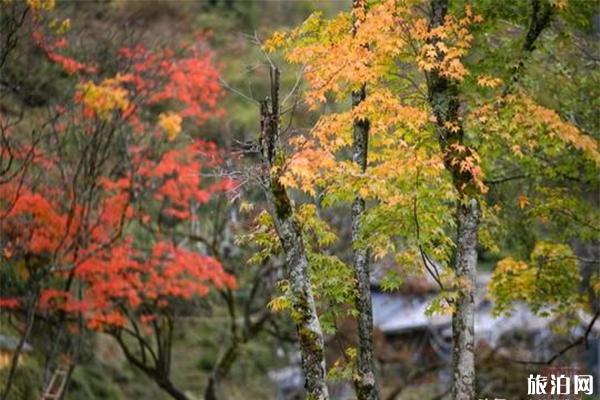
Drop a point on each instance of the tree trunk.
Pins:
(221, 370)
(14, 362)
(463, 329)
(364, 378)
(226, 361)
(444, 101)
(157, 369)
(305, 314)
(304, 310)
(168, 387)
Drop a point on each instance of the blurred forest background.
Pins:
(231, 341)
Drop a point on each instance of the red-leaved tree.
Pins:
(97, 199)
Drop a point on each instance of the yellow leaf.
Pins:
(279, 304)
(523, 201)
(170, 122)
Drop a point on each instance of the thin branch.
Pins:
(579, 341)
(296, 85)
(231, 89)
(432, 270)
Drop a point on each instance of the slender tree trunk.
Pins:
(157, 368)
(444, 101)
(14, 362)
(168, 387)
(290, 235)
(463, 318)
(364, 378)
(221, 370)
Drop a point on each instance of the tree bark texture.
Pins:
(463, 317)
(364, 378)
(445, 103)
(304, 312)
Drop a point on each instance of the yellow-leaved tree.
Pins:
(440, 117)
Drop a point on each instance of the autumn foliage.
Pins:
(438, 141)
(96, 194)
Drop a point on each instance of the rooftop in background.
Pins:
(403, 311)
(10, 343)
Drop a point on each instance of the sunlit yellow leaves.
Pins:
(342, 53)
(334, 131)
(490, 227)
(276, 41)
(420, 28)
(452, 127)
(41, 4)
(488, 81)
(319, 44)
(409, 184)
(262, 236)
(307, 167)
(60, 26)
(510, 277)
(105, 98)
(279, 304)
(547, 283)
(559, 4)
(320, 233)
(524, 128)
(443, 47)
(359, 12)
(563, 130)
(246, 206)
(523, 201)
(564, 208)
(385, 110)
(170, 122)
(467, 161)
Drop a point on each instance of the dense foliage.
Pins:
(184, 205)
